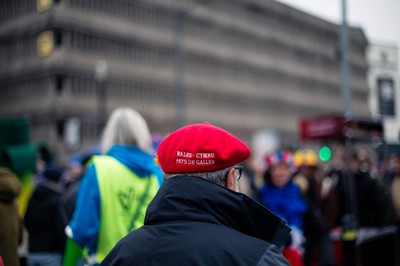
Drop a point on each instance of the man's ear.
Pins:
(231, 182)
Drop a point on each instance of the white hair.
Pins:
(127, 127)
(217, 177)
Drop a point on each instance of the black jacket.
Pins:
(192, 221)
(45, 219)
(370, 203)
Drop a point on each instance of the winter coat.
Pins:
(192, 221)
(370, 200)
(85, 224)
(45, 219)
(286, 202)
(395, 194)
(10, 222)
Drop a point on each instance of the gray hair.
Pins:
(127, 127)
(217, 177)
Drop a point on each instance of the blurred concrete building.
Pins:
(383, 80)
(242, 65)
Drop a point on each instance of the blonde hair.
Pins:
(127, 127)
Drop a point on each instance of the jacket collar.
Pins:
(196, 199)
(135, 159)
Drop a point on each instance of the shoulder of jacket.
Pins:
(272, 257)
(101, 158)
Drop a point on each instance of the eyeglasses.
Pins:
(238, 171)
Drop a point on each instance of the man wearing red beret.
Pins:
(198, 216)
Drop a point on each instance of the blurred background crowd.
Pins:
(330, 196)
(317, 101)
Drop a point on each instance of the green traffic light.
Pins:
(325, 153)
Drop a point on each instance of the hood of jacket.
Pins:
(46, 190)
(10, 186)
(196, 199)
(136, 160)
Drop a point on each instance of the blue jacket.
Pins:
(86, 219)
(286, 202)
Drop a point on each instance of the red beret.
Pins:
(200, 148)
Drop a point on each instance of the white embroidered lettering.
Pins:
(181, 161)
(205, 162)
(205, 155)
(184, 154)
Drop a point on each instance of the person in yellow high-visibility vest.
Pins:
(117, 186)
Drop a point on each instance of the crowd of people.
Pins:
(198, 201)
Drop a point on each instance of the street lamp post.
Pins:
(349, 219)
(345, 69)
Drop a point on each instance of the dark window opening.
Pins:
(60, 128)
(59, 84)
(58, 38)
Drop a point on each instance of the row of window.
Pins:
(25, 89)
(161, 17)
(231, 36)
(82, 88)
(139, 53)
(140, 93)
(266, 24)
(261, 17)
(118, 51)
(200, 29)
(126, 10)
(144, 96)
(250, 105)
(18, 49)
(10, 9)
(27, 47)
(89, 131)
(257, 26)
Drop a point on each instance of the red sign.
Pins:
(329, 127)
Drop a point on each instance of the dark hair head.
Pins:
(395, 155)
(267, 176)
(53, 173)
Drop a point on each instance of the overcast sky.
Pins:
(380, 19)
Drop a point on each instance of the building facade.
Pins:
(241, 65)
(383, 80)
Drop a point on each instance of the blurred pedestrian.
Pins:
(117, 187)
(395, 184)
(360, 195)
(45, 220)
(76, 172)
(10, 221)
(319, 195)
(395, 189)
(283, 197)
(198, 217)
